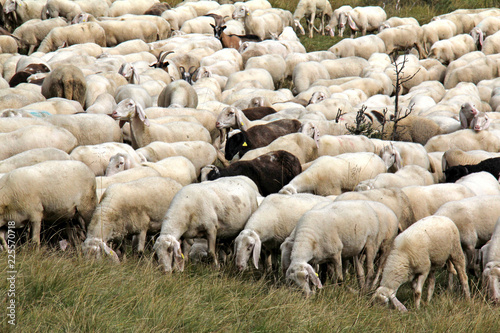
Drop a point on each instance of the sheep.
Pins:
(415, 129)
(200, 153)
(61, 8)
(270, 172)
(403, 37)
(270, 224)
(48, 191)
(66, 81)
(466, 139)
(467, 112)
(214, 210)
(452, 48)
(406, 176)
(260, 75)
(259, 136)
(302, 145)
(89, 32)
(332, 175)
(273, 63)
(475, 219)
(428, 244)
(437, 30)
(483, 68)
(31, 157)
(491, 44)
(121, 31)
(157, 9)
(487, 27)
(262, 25)
(122, 7)
(366, 19)
(491, 165)
(395, 21)
(179, 93)
(363, 47)
(453, 157)
(309, 8)
(132, 208)
(491, 271)
(35, 136)
(96, 157)
(143, 132)
(335, 20)
(339, 231)
(306, 73)
(89, 129)
(22, 11)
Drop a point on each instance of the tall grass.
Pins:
(63, 292)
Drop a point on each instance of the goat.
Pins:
(232, 41)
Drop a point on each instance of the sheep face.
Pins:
(127, 109)
(241, 12)
(383, 295)
(455, 173)
(169, 254)
(95, 247)
(303, 274)
(227, 118)
(246, 242)
(491, 275)
(391, 157)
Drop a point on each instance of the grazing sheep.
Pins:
(491, 259)
(270, 172)
(126, 209)
(66, 81)
(338, 231)
(406, 176)
(395, 21)
(31, 157)
(120, 31)
(61, 8)
(306, 73)
(402, 38)
(332, 175)
(35, 136)
(143, 132)
(428, 244)
(48, 191)
(364, 19)
(453, 157)
(178, 93)
(452, 48)
(335, 20)
(466, 139)
(262, 25)
(215, 210)
(475, 219)
(270, 224)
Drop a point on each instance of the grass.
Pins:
(63, 292)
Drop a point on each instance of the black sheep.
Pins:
(491, 165)
(270, 172)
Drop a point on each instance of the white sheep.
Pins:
(308, 9)
(475, 219)
(338, 231)
(96, 157)
(260, 75)
(363, 47)
(306, 73)
(33, 32)
(403, 37)
(466, 139)
(406, 176)
(273, 63)
(262, 25)
(334, 145)
(480, 183)
(335, 20)
(364, 19)
(437, 30)
(491, 44)
(491, 259)
(455, 156)
(120, 31)
(215, 210)
(127, 209)
(332, 175)
(35, 136)
(396, 21)
(483, 68)
(31, 157)
(179, 93)
(89, 32)
(143, 132)
(452, 48)
(61, 8)
(487, 27)
(22, 11)
(48, 191)
(270, 224)
(428, 244)
(137, 7)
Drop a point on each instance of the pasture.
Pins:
(65, 291)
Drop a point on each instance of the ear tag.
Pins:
(245, 144)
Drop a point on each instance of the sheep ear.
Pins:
(316, 136)
(109, 252)
(256, 252)
(313, 276)
(397, 304)
(397, 160)
(239, 123)
(351, 22)
(178, 257)
(481, 38)
(142, 114)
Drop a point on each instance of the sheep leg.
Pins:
(337, 262)
(360, 272)
(431, 283)
(418, 285)
(36, 226)
(141, 242)
(458, 261)
(311, 25)
(370, 257)
(211, 239)
(186, 246)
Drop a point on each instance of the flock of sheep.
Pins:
(113, 122)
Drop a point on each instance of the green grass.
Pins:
(63, 292)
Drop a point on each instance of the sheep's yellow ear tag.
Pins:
(242, 124)
(245, 144)
(182, 255)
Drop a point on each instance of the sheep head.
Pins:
(209, 172)
(169, 254)
(303, 274)
(383, 295)
(229, 117)
(391, 157)
(241, 12)
(118, 163)
(248, 241)
(491, 275)
(94, 247)
(127, 109)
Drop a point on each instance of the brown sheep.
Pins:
(66, 81)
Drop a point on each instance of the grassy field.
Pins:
(62, 292)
